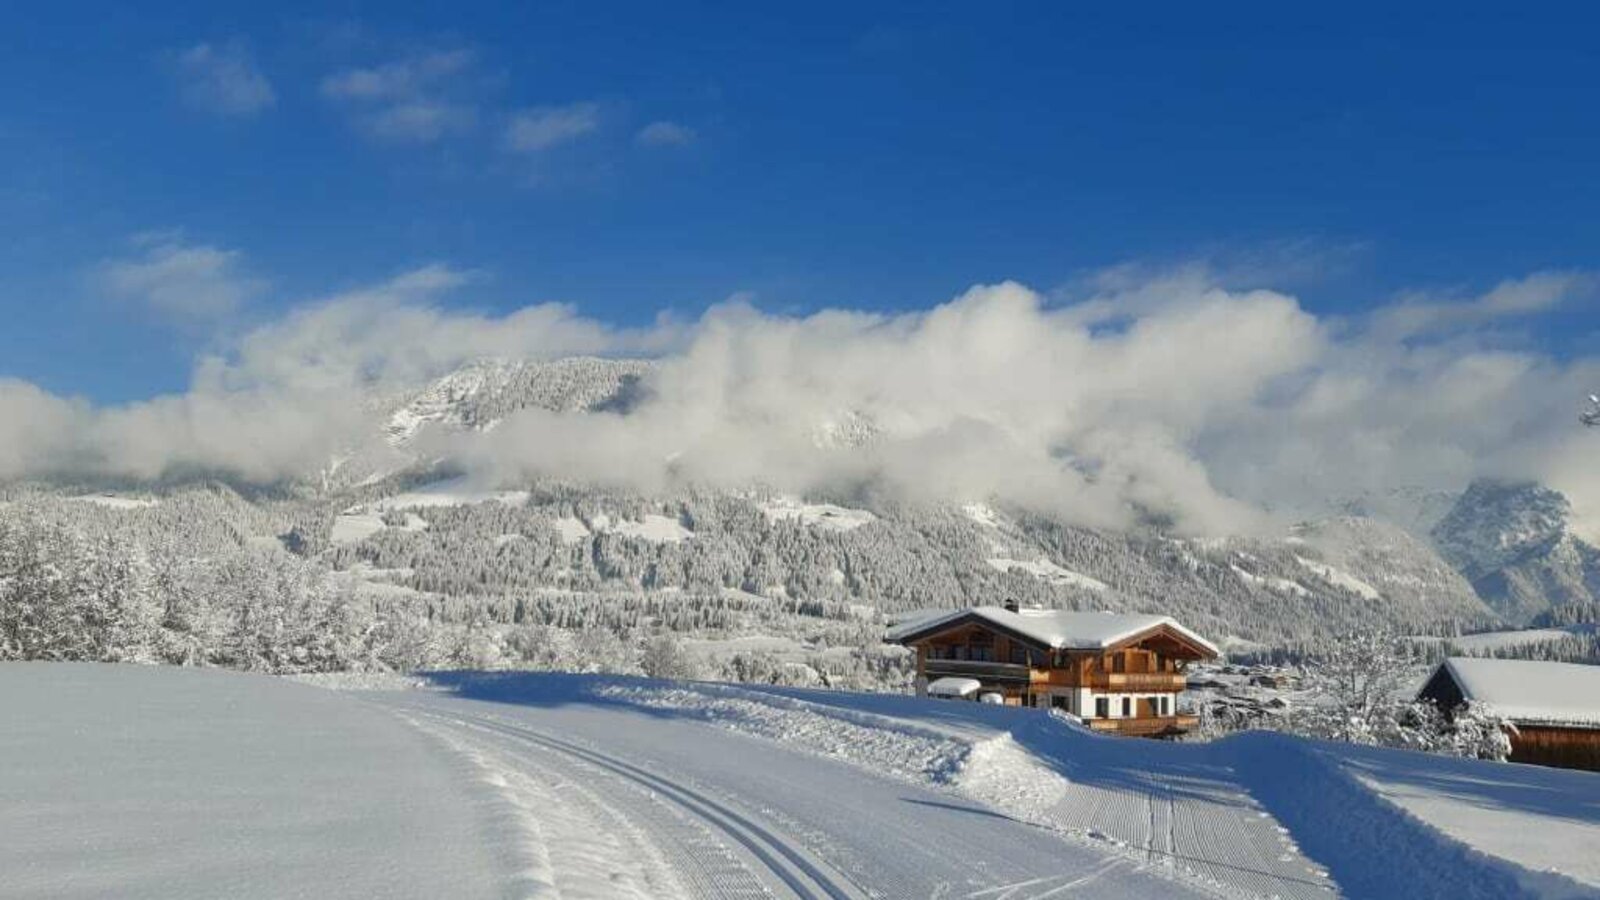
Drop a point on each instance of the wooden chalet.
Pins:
(1118, 673)
(1554, 707)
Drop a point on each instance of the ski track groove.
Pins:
(790, 868)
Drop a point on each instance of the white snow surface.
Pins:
(113, 501)
(1049, 571)
(816, 515)
(1341, 578)
(145, 782)
(1531, 691)
(953, 687)
(1504, 640)
(654, 528)
(460, 491)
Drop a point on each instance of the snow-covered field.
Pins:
(130, 781)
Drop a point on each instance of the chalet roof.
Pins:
(1530, 691)
(1057, 629)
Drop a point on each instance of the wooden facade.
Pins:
(1128, 688)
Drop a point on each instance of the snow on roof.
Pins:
(953, 687)
(1530, 691)
(1055, 628)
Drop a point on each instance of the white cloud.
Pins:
(419, 98)
(402, 79)
(186, 282)
(1419, 315)
(1220, 409)
(665, 134)
(543, 127)
(223, 79)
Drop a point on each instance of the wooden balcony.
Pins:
(983, 671)
(1152, 726)
(1137, 681)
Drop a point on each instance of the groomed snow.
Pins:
(146, 782)
(166, 783)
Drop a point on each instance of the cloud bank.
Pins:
(1221, 411)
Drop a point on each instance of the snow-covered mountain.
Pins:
(1512, 541)
(480, 394)
(823, 566)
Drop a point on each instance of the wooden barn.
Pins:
(1554, 706)
(1116, 672)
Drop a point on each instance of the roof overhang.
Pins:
(1191, 643)
(961, 619)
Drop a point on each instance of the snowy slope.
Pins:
(127, 781)
(142, 782)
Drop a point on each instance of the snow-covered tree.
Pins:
(665, 657)
(1355, 691)
(1476, 731)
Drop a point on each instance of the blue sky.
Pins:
(631, 159)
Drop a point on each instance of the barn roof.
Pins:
(1530, 692)
(1057, 629)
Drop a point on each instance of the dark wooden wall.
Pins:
(1566, 748)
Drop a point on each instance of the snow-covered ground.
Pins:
(1486, 641)
(816, 515)
(160, 782)
(114, 501)
(1049, 571)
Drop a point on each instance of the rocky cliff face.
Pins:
(1512, 542)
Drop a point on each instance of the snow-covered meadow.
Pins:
(143, 781)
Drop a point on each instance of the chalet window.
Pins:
(1019, 654)
(1102, 708)
(1058, 701)
(1161, 706)
(1127, 707)
(938, 651)
(981, 654)
(1118, 663)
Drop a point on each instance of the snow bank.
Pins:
(1260, 814)
(1372, 847)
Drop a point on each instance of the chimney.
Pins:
(1011, 605)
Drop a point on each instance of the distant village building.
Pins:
(1554, 706)
(1119, 673)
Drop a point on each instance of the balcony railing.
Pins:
(1145, 726)
(973, 669)
(1137, 681)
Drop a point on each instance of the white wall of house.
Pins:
(1083, 703)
